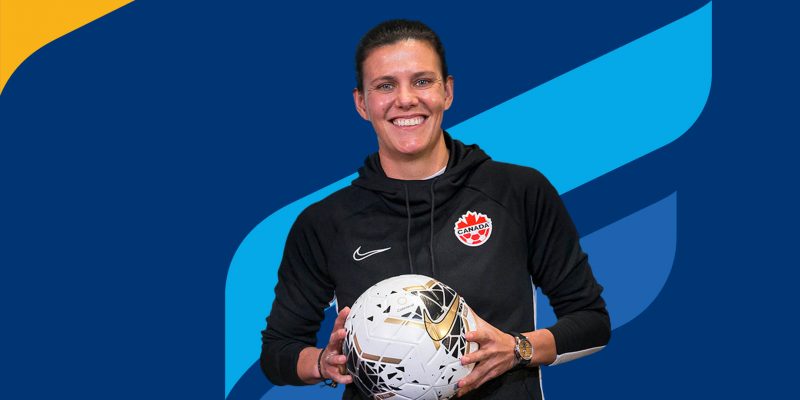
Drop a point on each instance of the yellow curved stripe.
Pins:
(27, 25)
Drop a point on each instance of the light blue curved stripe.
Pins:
(607, 112)
(251, 281)
(631, 258)
(574, 128)
(315, 392)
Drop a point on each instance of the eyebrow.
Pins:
(392, 78)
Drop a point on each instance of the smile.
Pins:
(408, 121)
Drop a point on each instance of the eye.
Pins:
(384, 87)
(424, 82)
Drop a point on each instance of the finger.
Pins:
(469, 380)
(341, 318)
(335, 365)
(474, 357)
(464, 390)
(339, 377)
(476, 379)
(343, 379)
(479, 336)
(336, 360)
(336, 369)
(336, 340)
(337, 335)
(481, 373)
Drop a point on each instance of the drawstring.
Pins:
(433, 208)
(408, 231)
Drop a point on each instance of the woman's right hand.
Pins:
(332, 361)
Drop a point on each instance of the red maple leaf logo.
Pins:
(471, 219)
(465, 228)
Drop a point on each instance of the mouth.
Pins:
(409, 121)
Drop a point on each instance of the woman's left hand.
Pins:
(494, 358)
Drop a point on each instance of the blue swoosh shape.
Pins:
(573, 128)
(631, 258)
(607, 112)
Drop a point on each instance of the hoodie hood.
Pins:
(463, 159)
(418, 200)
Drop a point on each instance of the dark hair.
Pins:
(393, 31)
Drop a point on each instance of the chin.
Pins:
(412, 147)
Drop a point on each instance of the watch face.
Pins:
(525, 349)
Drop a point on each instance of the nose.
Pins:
(406, 97)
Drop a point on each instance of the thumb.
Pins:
(341, 318)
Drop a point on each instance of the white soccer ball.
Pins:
(405, 338)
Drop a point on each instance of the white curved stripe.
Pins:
(562, 358)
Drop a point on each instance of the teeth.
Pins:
(408, 121)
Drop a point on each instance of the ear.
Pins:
(448, 92)
(361, 105)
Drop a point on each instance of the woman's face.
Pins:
(404, 97)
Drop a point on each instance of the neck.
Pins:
(415, 167)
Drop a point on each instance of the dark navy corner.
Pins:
(138, 151)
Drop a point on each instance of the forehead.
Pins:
(401, 58)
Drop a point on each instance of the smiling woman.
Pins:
(428, 204)
(404, 96)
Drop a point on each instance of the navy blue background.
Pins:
(138, 151)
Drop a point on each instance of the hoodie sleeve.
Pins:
(561, 269)
(302, 293)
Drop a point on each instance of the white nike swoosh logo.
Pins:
(358, 256)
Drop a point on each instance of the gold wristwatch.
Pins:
(523, 349)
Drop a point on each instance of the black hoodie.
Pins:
(489, 230)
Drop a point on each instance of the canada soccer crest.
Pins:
(473, 228)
